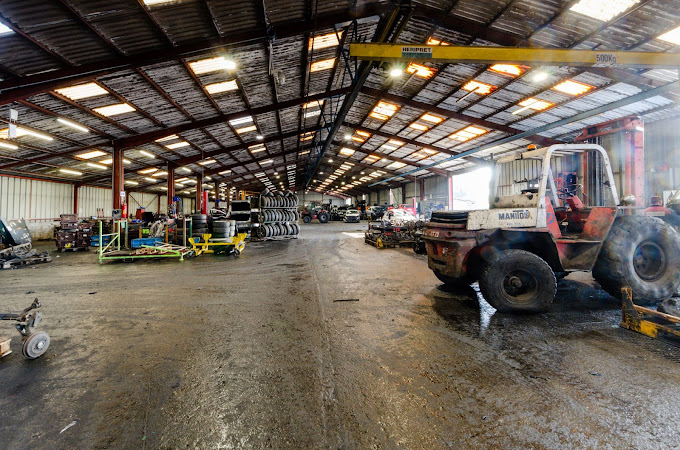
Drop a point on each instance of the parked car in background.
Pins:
(352, 216)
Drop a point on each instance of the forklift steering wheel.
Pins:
(569, 191)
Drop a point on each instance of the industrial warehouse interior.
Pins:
(339, 224)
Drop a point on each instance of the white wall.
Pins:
(38, 202)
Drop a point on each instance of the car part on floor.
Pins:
(275, 215)
(655, 324)
(19, 251)
(36, 343)
(621, 249)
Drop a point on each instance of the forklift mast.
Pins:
(624, 141)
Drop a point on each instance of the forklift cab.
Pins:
(550, 194)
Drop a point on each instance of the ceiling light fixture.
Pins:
(209, 65)
(8, 146)
(90, 155)
(147, 154)
(70, 172)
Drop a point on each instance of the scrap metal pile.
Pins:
(396, 228)
(18, 245)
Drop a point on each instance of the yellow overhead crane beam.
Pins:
(513, 55)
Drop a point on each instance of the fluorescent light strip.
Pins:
(73, 125)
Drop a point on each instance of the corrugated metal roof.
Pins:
(65, 34)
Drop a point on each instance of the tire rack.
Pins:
(259, 213)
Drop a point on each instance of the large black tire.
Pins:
(453, 282)
(518, 281)
(642, 253)
(323, 217)
(306, 219)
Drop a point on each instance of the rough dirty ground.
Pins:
(256, 352)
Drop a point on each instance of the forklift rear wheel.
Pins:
(35, 345)
(323, 217)
(518, 281)
(306, 219)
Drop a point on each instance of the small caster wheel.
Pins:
(236, 253)
(35, 345)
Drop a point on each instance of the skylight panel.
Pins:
(508, 69)
(532, 103)
(603, 10)
(427, 117)
(177, 145)
(418, 126)
(211, 65)
(346, 151)
(90, 155)
(167, 138)
(384, 110)
(467, 133)
(224, 86)
(572, 87)
(420, 71)
(395, 165)
(672, 36)
(478, 87)
(325, 41)
(114, 110)
(324, 64)
(82, 91)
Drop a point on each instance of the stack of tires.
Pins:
(223, 229)
(199, 225)
(278, 214)
(240, 213)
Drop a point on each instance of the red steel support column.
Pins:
(118, 178)
(171, 184)
(199, 191)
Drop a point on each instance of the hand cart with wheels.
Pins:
(231, 246)
(35, 342)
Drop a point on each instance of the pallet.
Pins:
(24, 262)
(4, 346)
(72, 249)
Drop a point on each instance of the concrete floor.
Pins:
(256, 352)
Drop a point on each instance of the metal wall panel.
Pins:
(39, 202)
(144, 200)
(91, 198)
(662, 156)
